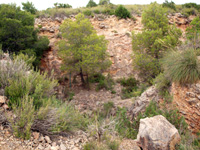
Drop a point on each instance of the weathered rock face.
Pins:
(187, 100)
(117, 32)
(143, 101)
(156, 133)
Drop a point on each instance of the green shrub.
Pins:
(169, 4)
(189, 11)
(155, 40)
(25, 114)
(91, 3)
(182, 67)
(191, 5)
(162, 83)
(124, 126)
(131, 88)
(87, 12)
(34, 84)
(96, 78)
(122, 12)
(96, 11)
(113, 145)
(104, 2)
(90, 146)
(130, 82)
(29, 7)
(106, 83)
(108, 11)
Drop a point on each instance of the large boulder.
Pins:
(156, 133)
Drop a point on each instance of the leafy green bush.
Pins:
(104, 2)
(108, 11)
(34, 84)
(96, 78)
(150, 45)
(91, 3)
(189, 11)
(96, 11)
(87, 12)
(191, 5)
(193, 31)
(25, 115)
(122, 12)
(107, 83)
(29, 7)
(124, 126)
(131, 88)
(62, 5)
(169, 4)
(182, 67)
(130, 82)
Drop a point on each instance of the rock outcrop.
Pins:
(142, 102)
(156, 133)
(187, 100)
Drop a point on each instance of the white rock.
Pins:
(156, 133)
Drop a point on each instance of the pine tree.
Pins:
(82, 50)
(150, 45)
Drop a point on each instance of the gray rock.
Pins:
(62, 147)
(142, 102)
(156, 133)
(47, 139)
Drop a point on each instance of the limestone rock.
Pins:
(47, 139)
(142, 102)
(156, 133)
(2, 99)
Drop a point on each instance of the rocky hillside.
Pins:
(117, 32)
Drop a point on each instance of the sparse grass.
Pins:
(182, 67)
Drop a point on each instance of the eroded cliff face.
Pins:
(187, 100)
(117, 32)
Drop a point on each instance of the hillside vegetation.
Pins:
(160, 59)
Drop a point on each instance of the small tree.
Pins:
(122, 12)
(82, 50)
(91, 3)
(28, 6)
(169, 4)
(193, 31)
(150, 45)
(104, 2)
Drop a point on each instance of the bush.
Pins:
(130, 82)
(34, 84)
(124, 126)
(104, 2)
(29, 7)
(131, 88)
(169, 4)
(182, 67)
(155, 40)
(108, 11)
(91, 3)
(25, 115)
(87, 12)
(106, 83)
(162, 83)
(189, 11)
(191, 5)
(122, 12)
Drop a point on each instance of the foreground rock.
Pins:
(156, 133)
